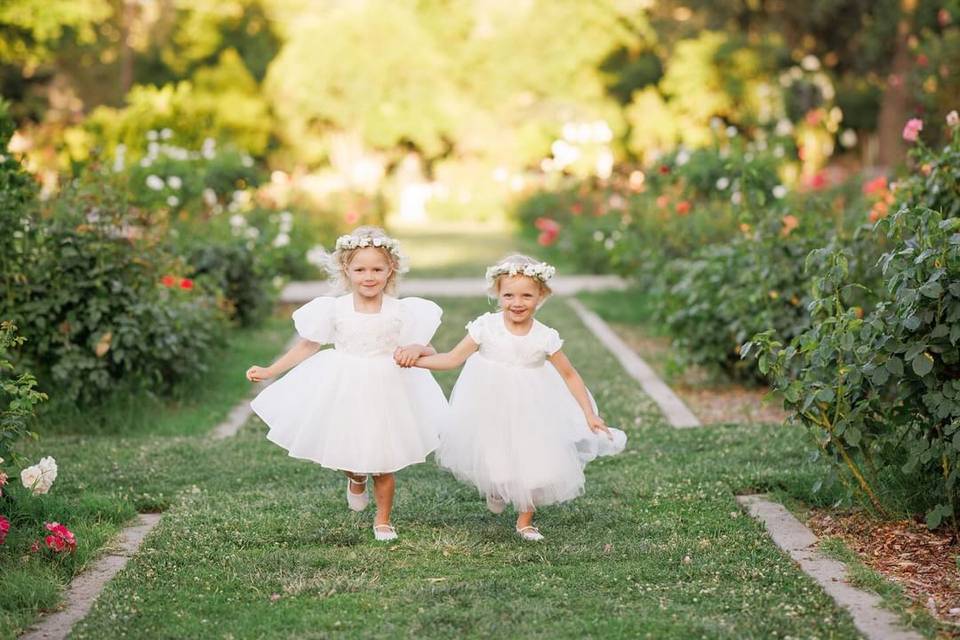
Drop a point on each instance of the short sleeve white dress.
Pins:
(352, 407)
(515, 429)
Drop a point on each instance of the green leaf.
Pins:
(880, 376)
(825, 395)
(932, 289)
(912, 323)
(852, 435)
(923, 364)
(895, 366)
(936, 515)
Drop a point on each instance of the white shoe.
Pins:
(384, 532)
(530, 533)
(495, 504)
(357, 501)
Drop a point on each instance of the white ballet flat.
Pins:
(357, 501)
(530, 533)
(384, 532)
(495, 504)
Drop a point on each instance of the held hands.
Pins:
(259, 374)
(407, 356)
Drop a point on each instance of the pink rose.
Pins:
(911, 130)
(953, 119)
(4, 528)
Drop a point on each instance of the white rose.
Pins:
(953, 118)
(779, 192)
(39, 478)
(175, 182)
(281, 240)
(48, 466)
(155, 182)
(173, 201)
(30, 477)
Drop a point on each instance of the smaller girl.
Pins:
(523, 425)
(352, 408)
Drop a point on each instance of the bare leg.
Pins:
(383, 487)
(524, 519)
(358, 486)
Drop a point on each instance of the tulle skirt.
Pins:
(362, 414)
(517, 433)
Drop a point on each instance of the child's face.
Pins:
(519, 297)
(368, 271)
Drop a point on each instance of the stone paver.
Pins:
(85, 587)
(791, 535)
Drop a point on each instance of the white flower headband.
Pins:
(348, 243)
(539, 270)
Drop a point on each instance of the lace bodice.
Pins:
(498, 344)
(399, 322)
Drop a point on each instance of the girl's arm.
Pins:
(297, 354)
(451, 359)
(579, 390)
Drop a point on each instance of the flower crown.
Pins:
(539, 270)
(348, 243)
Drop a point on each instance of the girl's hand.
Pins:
(259, 374)
(597, 425)
(407, 356)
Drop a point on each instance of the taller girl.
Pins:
(352, 408)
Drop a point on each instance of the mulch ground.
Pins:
(923, 562)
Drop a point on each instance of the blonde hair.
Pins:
(493, 289)
(337, 262)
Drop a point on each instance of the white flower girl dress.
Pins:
(352, 407)
(516, 432)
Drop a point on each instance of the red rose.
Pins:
(576, 208)
(547, 237)
(55, 542)
(186, 284)
(546, 224)
(683, 207)
(168, 281)
(4, 528)
(664, 169)
(877, 184)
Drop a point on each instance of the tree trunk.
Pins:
(895, 104)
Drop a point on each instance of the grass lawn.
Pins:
(255, 544)
(458, 250)
(131, 455)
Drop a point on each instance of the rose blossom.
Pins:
(39, 478)
(911, 130)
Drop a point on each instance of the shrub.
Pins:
(879, 391)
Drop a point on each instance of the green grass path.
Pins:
(256, 544)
